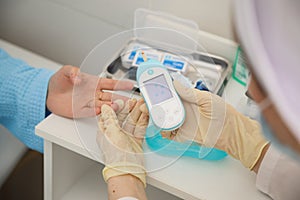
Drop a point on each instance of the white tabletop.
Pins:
(188, 178)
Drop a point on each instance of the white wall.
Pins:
(66, 30)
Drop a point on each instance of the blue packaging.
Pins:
(174, 63)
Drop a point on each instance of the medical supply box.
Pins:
(178, 44)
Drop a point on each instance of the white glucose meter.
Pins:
(165, 107)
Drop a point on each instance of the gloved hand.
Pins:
(122, 147)
(211, 122)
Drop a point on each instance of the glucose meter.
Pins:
(167, 113)
(165, 107)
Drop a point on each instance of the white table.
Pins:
(71, 172)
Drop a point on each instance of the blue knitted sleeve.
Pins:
(23, 91)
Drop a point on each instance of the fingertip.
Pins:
(97, 110)
(131, 104)
(105, 108)
(115, 107)
(144, 108)
(140, 102)
(118, 105)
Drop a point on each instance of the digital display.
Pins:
(158, 89)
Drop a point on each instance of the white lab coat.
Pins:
(279, 176)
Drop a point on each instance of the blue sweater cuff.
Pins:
(23, 98)
(34, 105)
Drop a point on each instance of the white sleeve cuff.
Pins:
(266, 169)
(279, 176)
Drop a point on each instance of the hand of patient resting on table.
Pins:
(74, 94)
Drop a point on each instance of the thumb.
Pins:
(192, 95)
(187, 94)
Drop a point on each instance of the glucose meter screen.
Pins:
(157, 89)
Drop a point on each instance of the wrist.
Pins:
(120, 169)
(125, 178)
(260, 159)
(125, 185)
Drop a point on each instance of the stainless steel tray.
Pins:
(213, 70)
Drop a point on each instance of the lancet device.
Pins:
(165, 107)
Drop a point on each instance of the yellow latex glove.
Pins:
(212, 122)
(122, 148)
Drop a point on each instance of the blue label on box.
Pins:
(150, 56)
(174, 64)
(131, 56)
(139, 60)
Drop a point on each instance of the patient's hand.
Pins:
(74, 94)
